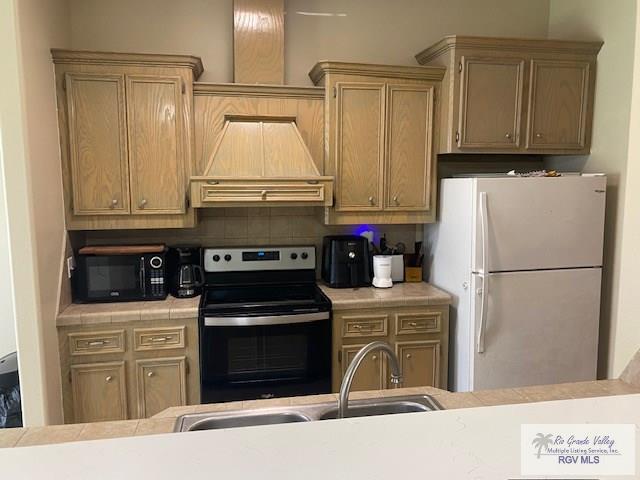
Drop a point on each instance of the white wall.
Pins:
(7, 315)
(33, 193)
(613, 22)
(372, 30)
(626, 334)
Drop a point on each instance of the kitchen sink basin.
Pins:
(305, 413)
(387, 408)
(246, 420)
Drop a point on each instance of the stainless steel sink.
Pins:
(305, 413)
(377, 409)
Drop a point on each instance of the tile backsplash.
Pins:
(250, 226)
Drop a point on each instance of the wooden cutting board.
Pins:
(121, 249)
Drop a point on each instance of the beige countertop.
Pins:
(400, 295)
(106, 313)
(164, 422)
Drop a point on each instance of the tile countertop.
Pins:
(105, 313)
(165, 421)
(400, 295)
(479, 443)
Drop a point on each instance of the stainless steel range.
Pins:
(265, 326)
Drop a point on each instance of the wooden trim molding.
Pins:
(246, 90)
(320, 69)
(84, 57)
(502, 44)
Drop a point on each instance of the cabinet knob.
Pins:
(408, 355)
(143, 202)
(114, 202)
(538, 135)
(150, 374)
(395, 200)
(375, 357)
(508, 136)
(371, 200)
(108, 379)
(263, 194)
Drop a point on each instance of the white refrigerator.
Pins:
(522, 257)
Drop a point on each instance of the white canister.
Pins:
(382, 271)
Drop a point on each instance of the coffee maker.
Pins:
(184, 271)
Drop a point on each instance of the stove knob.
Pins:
(294, 256)
(304, 255)
(227, 257)
(216, 258)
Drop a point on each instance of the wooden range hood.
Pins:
(260, 160)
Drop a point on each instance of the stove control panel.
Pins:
(239, 259)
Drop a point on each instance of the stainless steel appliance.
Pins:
(346, 262)
(265, 326)
(184, 271)
(119, 273)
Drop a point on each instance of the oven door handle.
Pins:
(264, 320)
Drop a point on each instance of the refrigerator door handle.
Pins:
(484, 274)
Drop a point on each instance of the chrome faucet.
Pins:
(396, 376)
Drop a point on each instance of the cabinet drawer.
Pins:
(91, 343)
(158, 338)
(364, 325)
(418, 322)
(262, 193)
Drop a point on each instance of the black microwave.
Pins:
(119, 274)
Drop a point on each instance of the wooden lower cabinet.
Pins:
(139, 379)
(99, 392)
(420, 362)
(419, 335)
(162, 383)
(370, 375)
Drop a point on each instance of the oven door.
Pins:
(103, 278)
(255, 357)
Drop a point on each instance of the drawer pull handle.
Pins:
(97, 343)
(366, 326)
(150, 374)
(418, 325)
(108, 379)
(160, 339)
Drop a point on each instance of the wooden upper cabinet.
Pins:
(156, 157)
(161, 383)
(126, 137)
(379, 141)
(99, 392)
(510, 95)
(359, 146)
(558, 102)
(409, 146)
(97, 144)
(490, 103)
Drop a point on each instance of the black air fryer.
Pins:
(346, 262)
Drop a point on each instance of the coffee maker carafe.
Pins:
(186, 276)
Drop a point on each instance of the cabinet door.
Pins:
(370, 374)
(161, 383)
(420, 363)
(490, 103)
(156, 150)
(409, 152)
(97, 144)
(99, 392)
(558, 104)
(360, 146)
